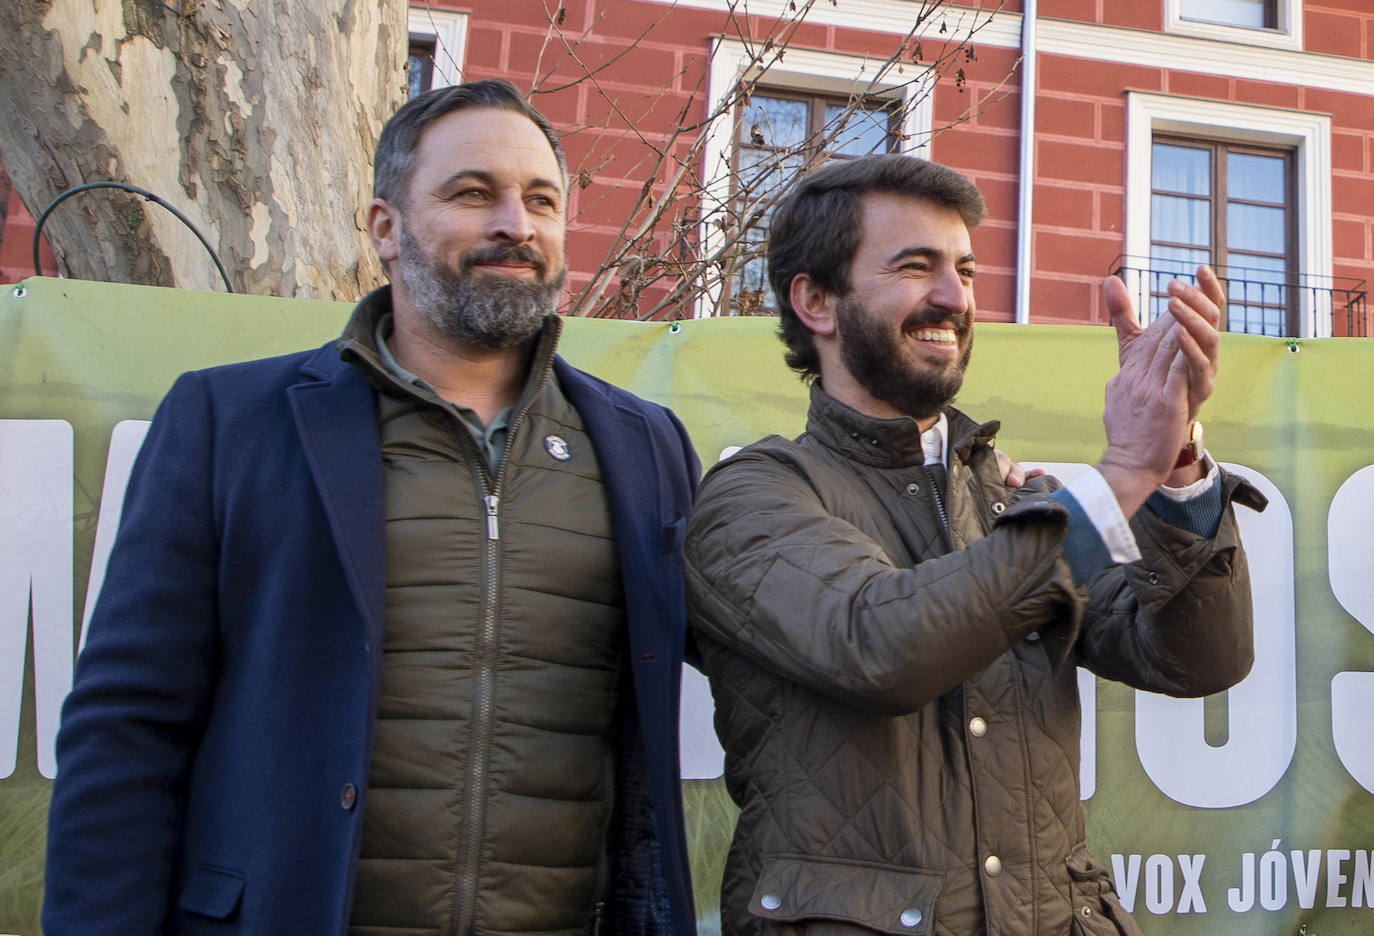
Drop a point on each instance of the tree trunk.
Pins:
(255, 118)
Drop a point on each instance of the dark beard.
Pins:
(487, 310)
(873, 356)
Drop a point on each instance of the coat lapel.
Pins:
(629, 467)
(336, 416)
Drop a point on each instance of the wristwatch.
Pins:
(1193, 448)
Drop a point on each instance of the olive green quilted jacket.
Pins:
(899, 705)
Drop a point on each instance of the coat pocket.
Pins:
(212, 892)
(836, 896)
(1097, 911)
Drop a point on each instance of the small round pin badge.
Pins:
(556, 447)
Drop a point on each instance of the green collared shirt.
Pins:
(490, 437)
(364, 342)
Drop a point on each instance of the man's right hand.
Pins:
(1166, 372)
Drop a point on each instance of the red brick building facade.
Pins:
(1164, 132)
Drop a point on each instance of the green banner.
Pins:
(1246, 813)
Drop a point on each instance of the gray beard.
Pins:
(486, 310)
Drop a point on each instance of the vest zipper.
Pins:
(465, 896)
(603, 861)
(493, 530)
(471, 834)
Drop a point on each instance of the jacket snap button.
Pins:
(770, 901)
(998, 507)
(911, 917)
(1152, 578)
(977, 726)
(1086, 911)
(348, 796)
(993, 866)
(913, 488)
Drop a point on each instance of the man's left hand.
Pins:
(1013, 475)
(1200, 344)
(1198, 310)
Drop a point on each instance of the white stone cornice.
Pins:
(885, 16)
(1205, 56)
(1143, 47)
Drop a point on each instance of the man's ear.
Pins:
(384, 228)
(814, 305)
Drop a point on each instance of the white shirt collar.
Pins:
(934, 442)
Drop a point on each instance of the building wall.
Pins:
(652, 61)
(621, 79)
(16, 237)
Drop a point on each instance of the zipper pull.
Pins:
(492, 502)
(598, 917)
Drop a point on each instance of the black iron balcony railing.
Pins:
(1259, 302)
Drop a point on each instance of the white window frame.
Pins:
(1307, 135)
(449, 31)
(803, 70)
(1286, 35)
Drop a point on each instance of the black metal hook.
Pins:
(123, 186)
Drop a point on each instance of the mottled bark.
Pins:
(256, 118)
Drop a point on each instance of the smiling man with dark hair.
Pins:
(892, 633)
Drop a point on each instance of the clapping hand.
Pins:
(1167, 371)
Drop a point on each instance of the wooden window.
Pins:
(420, 65)
(1233, 206)
(778, 135)
(437, 40)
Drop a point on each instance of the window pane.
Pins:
(755, 274)
(865, 130)
(1252, 227)
(1181, 169)
(1257, 295)
(763, 172)
(1227, 12)
(1255, 320)
(419, 67)
(1255, 178)
(1259, 269)
(776, 122)
(1254, 292)
(1168, 263)
(1176, 261)
(1180, 220)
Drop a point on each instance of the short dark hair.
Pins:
(817, 226)
(395, 157)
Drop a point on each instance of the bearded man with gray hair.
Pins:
(391, 635)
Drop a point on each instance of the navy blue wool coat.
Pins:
(214, 749)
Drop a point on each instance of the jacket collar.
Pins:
(886, 443)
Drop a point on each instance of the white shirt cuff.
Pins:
(1200, 486)
(1095, 496)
